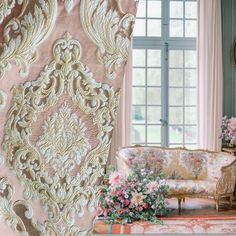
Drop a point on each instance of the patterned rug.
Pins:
(181, 225)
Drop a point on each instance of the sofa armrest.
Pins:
(227, 181)
(123, 165)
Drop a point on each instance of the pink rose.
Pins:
(145, 205)
(116, 179)
(126, 202)
(152, 186)
(121, 211)
(232, 125)
(120, 198)
(117, 204)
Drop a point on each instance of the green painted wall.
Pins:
(229, 69)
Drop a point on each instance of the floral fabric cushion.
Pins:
(174, 163)
(183, 187)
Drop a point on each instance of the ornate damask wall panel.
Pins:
(58, 113)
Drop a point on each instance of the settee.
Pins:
(189, 173)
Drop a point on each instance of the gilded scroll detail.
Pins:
(7, 208)
(68, 5)
(6, 6)
(23, 34)
(3, 99)
(113, 38)
(63, 195)
(64, 140)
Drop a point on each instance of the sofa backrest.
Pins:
(175, 163)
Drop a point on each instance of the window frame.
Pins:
(164, 43)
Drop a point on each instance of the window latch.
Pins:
(163, 122)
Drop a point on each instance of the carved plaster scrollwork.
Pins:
(6, 6)
(23, 34)
(64, 141)
(7, 208)
(63, 194)
(113, 38)
(3, 99)
(68, 5)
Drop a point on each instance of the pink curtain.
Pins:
(122, 130)
(210, 77)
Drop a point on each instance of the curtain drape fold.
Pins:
(122, 131)
(210, 75)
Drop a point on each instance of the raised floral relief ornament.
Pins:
(6, 7)
(23, 34)
(58, 129)
(64, 141)
(113, 41)
(3, 99)
(62, 193)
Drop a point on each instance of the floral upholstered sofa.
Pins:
(189, 173)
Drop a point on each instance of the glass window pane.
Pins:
(190, 96)
(154, 8)
(138, 133)
(176, 9)
(138, 114)
(190, 134)
(153, 96)
(190, 58)
(140, 27)
(154, 134)
(176, 58)
(176, 77)
(191, 28)
(191, 10)
(176, 115)
(154, 58)
(153, 114)
(139, 96)
(141, 8)
(154, 28)
(138, 57)
(175, 96)
(138, 76)
(176, 134)
(154, 77)
(176, 28)
(190, 77)
(190, 115)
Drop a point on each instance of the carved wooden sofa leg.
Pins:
(179, 205)
(231, 200)
(217, 200)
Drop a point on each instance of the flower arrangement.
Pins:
(139, 196)
(228, 130)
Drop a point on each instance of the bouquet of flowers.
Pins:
(139, 196)
(228, 130)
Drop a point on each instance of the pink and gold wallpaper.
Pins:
(61, 69)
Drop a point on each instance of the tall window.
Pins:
(164, 106)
